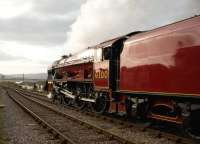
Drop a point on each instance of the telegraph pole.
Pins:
(23, 77)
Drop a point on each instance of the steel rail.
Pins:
(157, 133)
(100, 130)
(50, 128)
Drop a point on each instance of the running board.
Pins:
(68, 94)
(73, 97)
(88, 100)
(66, 91)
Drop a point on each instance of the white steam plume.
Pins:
(100, 20)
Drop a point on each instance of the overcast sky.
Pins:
(34, 33)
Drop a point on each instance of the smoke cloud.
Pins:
(100, 20)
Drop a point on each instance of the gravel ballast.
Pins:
(20, 127)
(132, 134)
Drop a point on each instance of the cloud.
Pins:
(22, 66)
(7, 57)
(12, 8)
(34, 31)
(38, 54)
(55, 7)
(100, 20)
(45, 23)
(19, 58)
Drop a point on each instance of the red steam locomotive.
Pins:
(153, 74)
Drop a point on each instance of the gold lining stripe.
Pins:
(100, 87)
(159, 93)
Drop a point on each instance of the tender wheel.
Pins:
(129, 110)
(142, 110)
(192, 125)
(136, 112)
(102, 103)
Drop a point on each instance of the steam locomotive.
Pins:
(150, 75)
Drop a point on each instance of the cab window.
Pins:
(106, 53)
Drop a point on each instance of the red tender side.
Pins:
(165, 60)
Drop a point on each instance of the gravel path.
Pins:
(20, 127)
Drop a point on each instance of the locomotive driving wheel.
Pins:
(102, 103)
(61, 99)
(78, 102)
(54, 96)
(67, 101)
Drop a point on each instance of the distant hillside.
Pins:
(41, 76)
(2, 76)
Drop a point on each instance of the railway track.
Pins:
(124, 123)
(69, 129)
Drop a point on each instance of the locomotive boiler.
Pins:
(152, 74)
